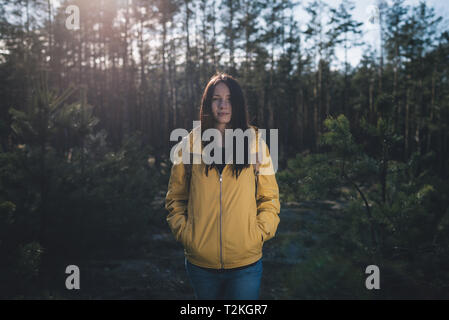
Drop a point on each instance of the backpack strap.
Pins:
(188, 169)
(256, 174)
(257, 164)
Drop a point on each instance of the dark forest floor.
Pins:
(157, 270)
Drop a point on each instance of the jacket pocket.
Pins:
(185, 236)
(257, 234)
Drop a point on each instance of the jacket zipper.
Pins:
(221, 245)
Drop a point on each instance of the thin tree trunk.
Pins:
(172, 84)
(432, 105)
(371, 100)
(163, 110)
(125, 94)
(214, 36)
(187, 71)
(246, 70)
(270, 97)
(407, 120)
(50, 32)
(231, 37)
(147, 122)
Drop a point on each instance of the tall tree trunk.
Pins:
(50, 31)
(128, 123)
(163, 110)
(247, 46)
(232, 69)
(381, 37)
(172, 84)
(271, 95)
(407, 118)
(204, 28)
(431, 117)
(214, 36)
(346, 108)
(147, 121)
(187, 70)
(396, 105)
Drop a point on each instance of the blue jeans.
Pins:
(241, 284)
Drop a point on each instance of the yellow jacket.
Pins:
(219, 222)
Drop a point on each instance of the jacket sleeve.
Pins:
(177, 198)
(268, 205)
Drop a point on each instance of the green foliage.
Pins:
(410, 228)
(325, 275)
(7, 209)
(105, 200)
(309, 177)
(29, 259)
(339, 137)
(64, 194)
(19, 268)
(413, 234)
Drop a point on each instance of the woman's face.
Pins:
(221, 104)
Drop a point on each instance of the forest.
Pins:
(91, 89)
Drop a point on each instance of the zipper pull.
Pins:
(221, 178)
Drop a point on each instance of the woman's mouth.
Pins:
(222, 114)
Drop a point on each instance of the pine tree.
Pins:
(343, 30)
(394, 44)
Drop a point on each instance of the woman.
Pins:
(218, 213)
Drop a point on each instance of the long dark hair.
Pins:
(239, 117)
